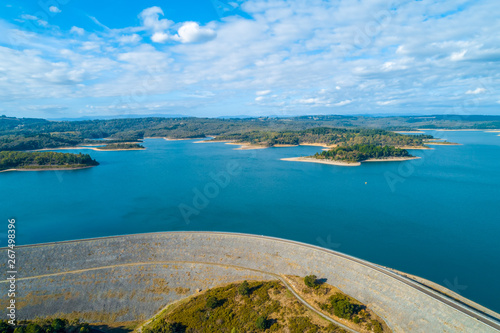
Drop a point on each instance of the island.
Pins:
(326, 137)
(121, 146)
(38, 161)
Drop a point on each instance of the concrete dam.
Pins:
(132, 277)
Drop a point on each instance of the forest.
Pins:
(31, 133)
(44, 160)
(328, 136)
(361, 152)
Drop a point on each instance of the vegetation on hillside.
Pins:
(336, 304)
(361, 152)
(255, 307)
(56, 325)
(31, 134)
(43, 160)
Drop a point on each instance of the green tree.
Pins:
(261, 323)
(212, 302)
(343, 309)
(311, 281)
(33, 328)
(244, 288)
(58, 325)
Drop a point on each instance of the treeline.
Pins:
(27, 133)
(46, 159)
(328, 136)
(358, 153)
(45, 326)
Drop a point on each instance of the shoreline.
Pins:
(50, 169)
(392, 159)
(315, 160)
(244, 146)
(91, 148)
(413, 147)
(437, 143)
(459, 130)
(340, 163)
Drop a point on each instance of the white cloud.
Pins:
(191, 32)
(129, 39)
(54, 9)
(259, 98)
(150, 18)
(476, 91)
(160, 37)
(342, 103)
(34, 18)
(383, 103)
(263, 92)
(456, 56)
(76, 30)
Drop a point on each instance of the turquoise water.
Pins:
(437, 217)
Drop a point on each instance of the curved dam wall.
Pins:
(132, 277)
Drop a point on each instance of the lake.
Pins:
(436, 217)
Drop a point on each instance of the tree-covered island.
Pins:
(328, 137)
(361, 152)
(44, 160)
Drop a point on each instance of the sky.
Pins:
(87, 58)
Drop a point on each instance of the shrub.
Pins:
(377, 328)
(244, 289)
(212, 302)
(261, 323)
(343, 309)
(310, 281)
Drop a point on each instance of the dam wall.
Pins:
(132, 277)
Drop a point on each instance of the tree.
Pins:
(343, 309)
(58, 325)
(261, 323)
(310, 281)
(212, 302)
(33, 328)
(244, 288)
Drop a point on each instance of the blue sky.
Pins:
(76, 58)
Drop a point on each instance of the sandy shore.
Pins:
(318, 145)
(339, 163)
(392, 159)
(315, 160)
(413, 147)
(279, 146)
(245, 146)
(437, 143)
(51, 169)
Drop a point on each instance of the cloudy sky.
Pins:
(79, 58)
